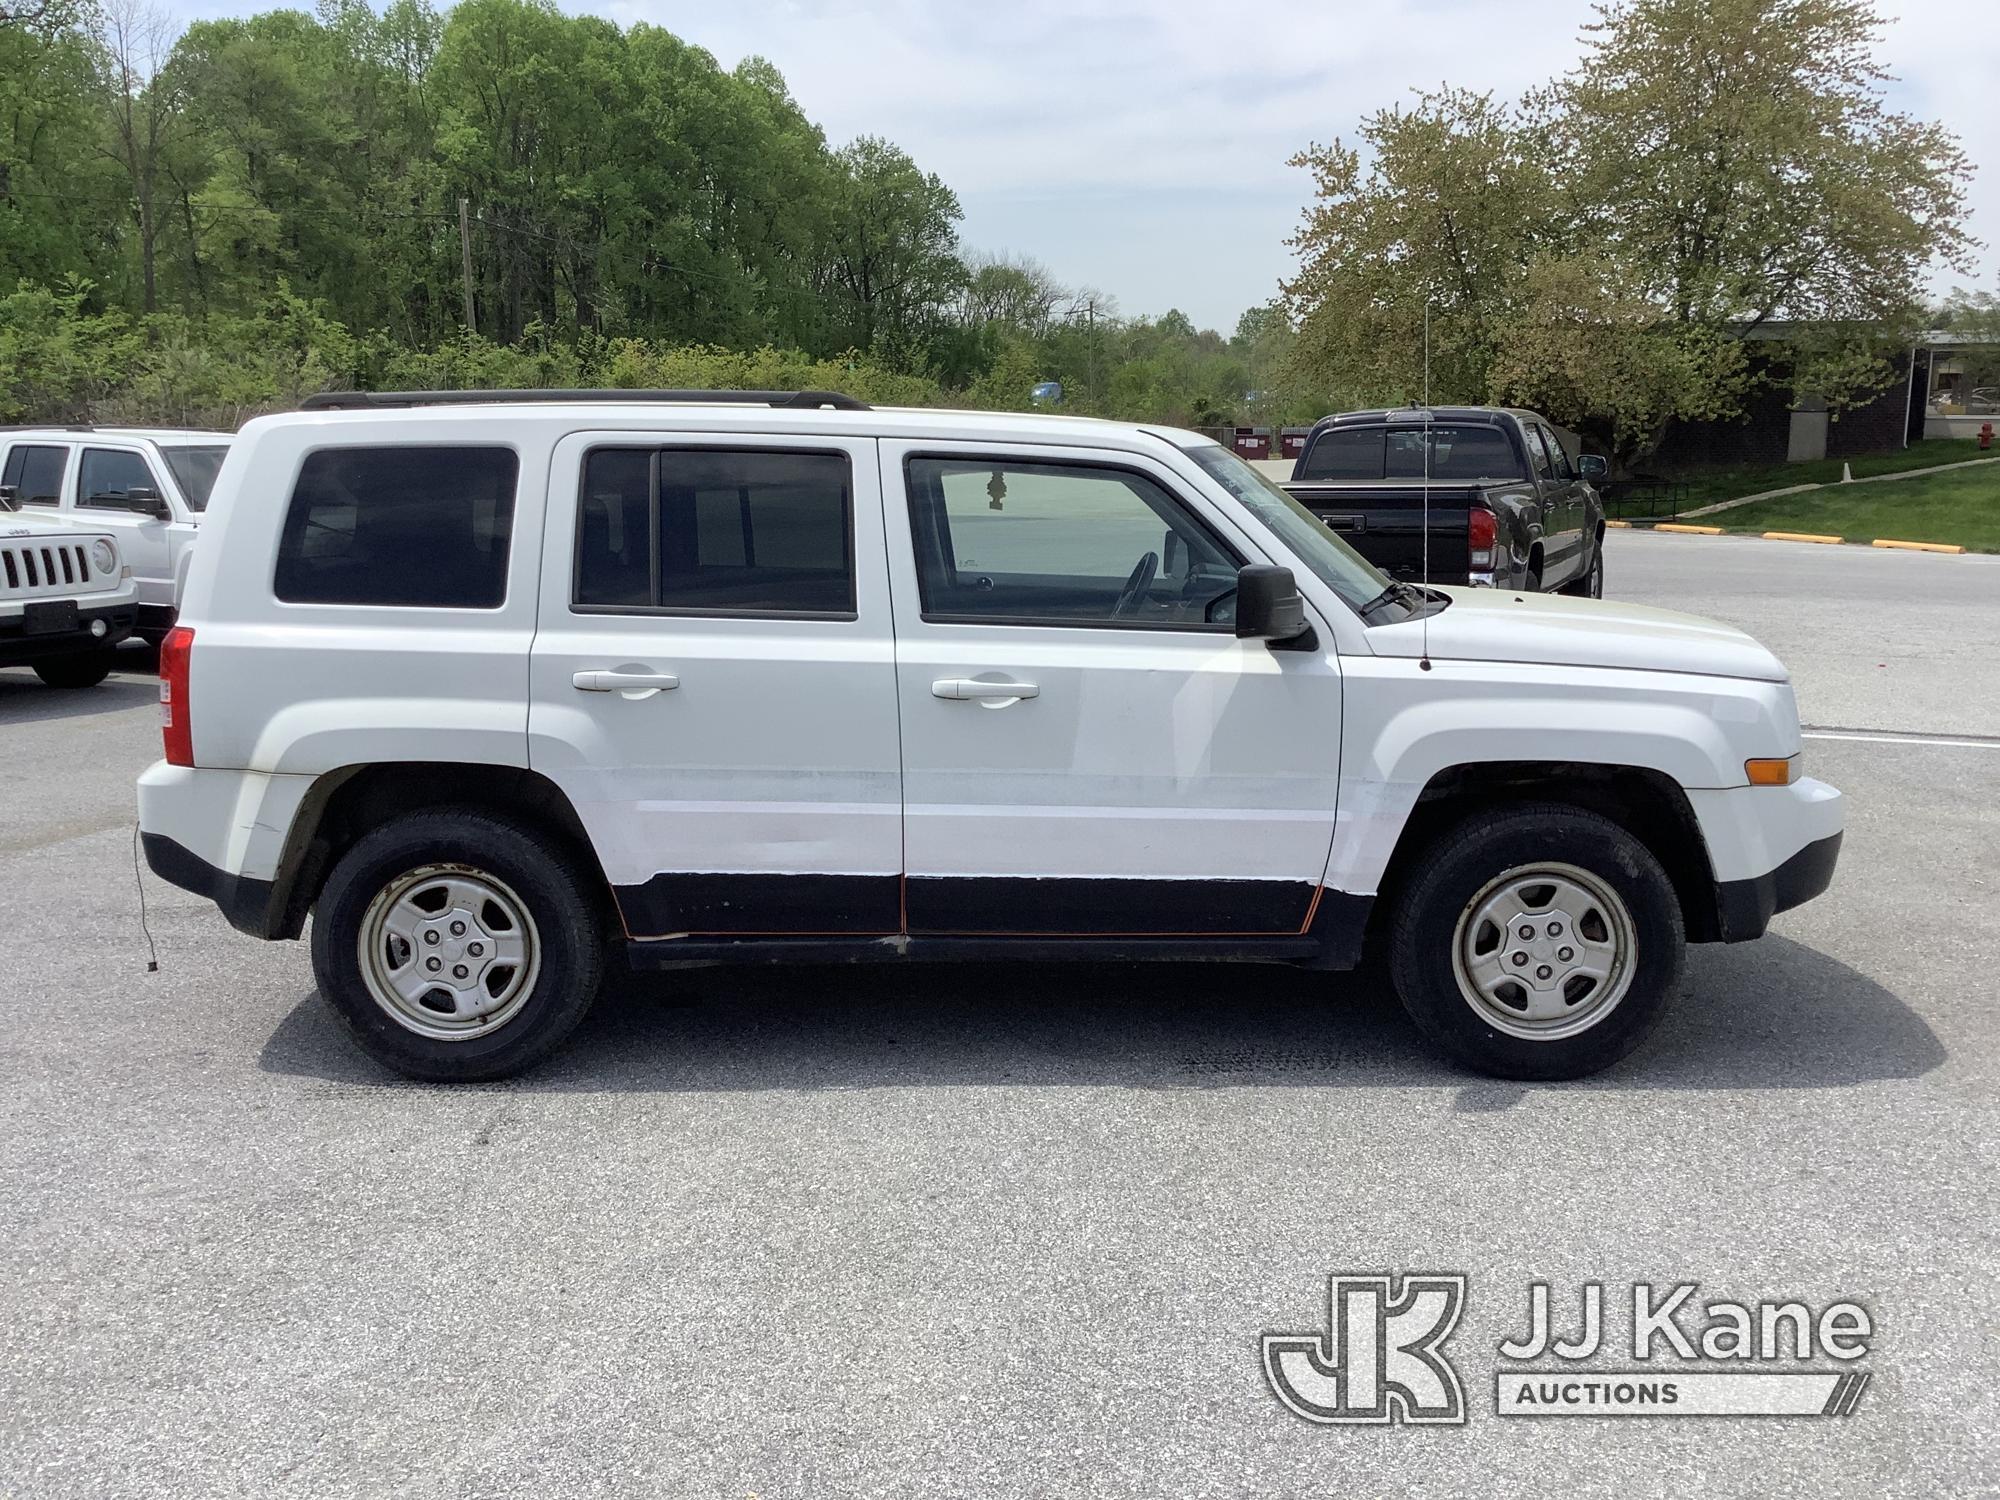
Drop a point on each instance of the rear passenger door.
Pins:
(1562, 505)
(713, 680)
(34, 471)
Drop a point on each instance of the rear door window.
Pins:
(425, 528)
(36, 473)
(716, 531)
(1558, 455)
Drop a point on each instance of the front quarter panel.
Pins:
(1405, 725)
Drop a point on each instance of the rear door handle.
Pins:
(973, 690)
(624, 682)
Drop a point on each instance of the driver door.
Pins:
(1088, 749)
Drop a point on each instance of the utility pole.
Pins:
(1090, 310)
(465, 258)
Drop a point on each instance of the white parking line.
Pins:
(1900, 739)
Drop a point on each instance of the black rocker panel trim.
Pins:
(776, 905)
(1091, 908)
(765, 918)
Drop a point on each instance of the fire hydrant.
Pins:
(1985, 436)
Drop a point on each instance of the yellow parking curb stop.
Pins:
(1799, 536)
(1620, 525)
(1689, 530)
(1919, 546)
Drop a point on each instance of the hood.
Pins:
(1552, 629)
(19, 523)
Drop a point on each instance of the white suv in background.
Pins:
(493, 686)
(66, 598)
(147, 485)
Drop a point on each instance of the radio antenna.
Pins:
(1424, 436)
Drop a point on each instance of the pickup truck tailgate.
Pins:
(1385, 524)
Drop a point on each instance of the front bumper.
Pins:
(1744, 908)
(18, 648)
(1769, 848)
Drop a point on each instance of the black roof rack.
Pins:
(790, 400)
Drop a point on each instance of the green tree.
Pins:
(890, 266)
(1713, 172)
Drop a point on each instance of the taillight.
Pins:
(1480, 533)
(176, 726)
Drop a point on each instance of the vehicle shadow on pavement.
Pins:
(25, 701)
(1772, 1015)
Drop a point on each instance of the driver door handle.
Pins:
(620, 682)
(972, 690)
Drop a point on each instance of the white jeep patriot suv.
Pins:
(147, 486)
(66, 598)
(494, 684)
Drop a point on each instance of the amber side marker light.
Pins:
(1772, 772)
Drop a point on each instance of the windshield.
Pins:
(1332, 561)
(194, 471)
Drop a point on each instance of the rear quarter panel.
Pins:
(308, 688)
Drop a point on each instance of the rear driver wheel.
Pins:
(456, 946)
(1591, 585)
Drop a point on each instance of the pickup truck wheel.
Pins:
(1591, 585)
(457, 947)
(86, 669)
(1541, 942)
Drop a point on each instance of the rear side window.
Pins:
(1349, 453)
(36, 473)
(424, 528)
(109, 475)
(716, 531)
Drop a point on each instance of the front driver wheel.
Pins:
(457, 947)
(1541, 942)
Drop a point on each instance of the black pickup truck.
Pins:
(1509, 507)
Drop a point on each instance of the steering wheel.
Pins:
(1136, 585)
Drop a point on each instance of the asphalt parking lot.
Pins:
(980, 1231)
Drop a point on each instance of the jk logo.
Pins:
(1380, 1359)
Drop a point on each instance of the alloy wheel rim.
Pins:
(450, 952)
(1544, 951)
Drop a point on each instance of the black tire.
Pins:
(85, 669)
(549, 886)
(1458, 868)
(1591, 584)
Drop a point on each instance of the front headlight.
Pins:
(104, 555)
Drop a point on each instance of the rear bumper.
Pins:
(223, 835)
(246, 904)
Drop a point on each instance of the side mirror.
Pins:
(1592, 466)
(10, 498)
(1268, 606)
(147, 502)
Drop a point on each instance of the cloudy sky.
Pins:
(1140, 148)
